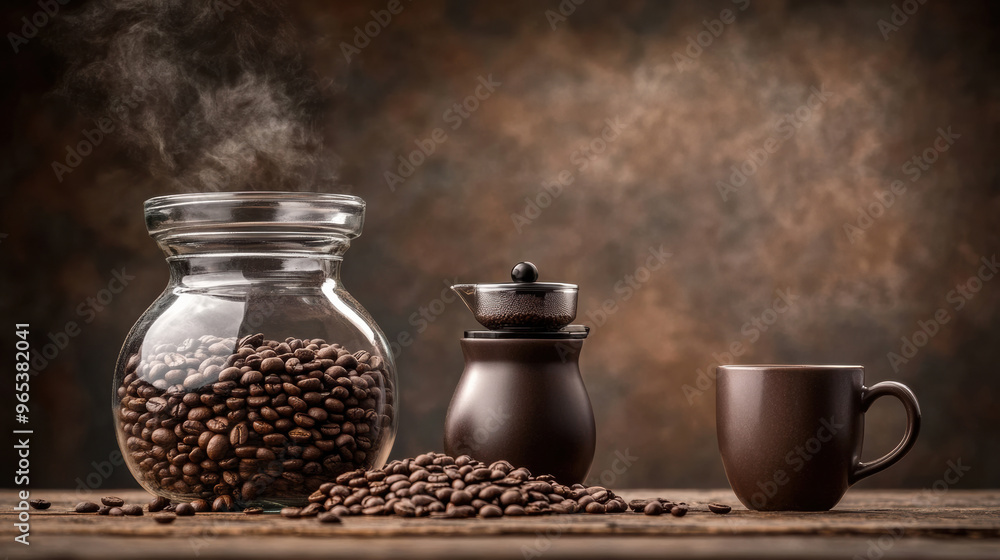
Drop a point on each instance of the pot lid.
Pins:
(524, 278)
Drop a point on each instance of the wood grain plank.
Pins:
(953, 523)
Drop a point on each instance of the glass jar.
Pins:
(255, 375)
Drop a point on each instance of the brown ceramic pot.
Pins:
(523, 400)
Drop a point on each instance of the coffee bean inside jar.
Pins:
(260, 421)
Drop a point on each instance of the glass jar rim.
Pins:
(250, 212)
(195, 198)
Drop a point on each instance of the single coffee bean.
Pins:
(116, 512)
(86, 507)
(158, 503)
(223, 503)
(239, 434)
(184, 509)
(679, 510)
(218, 446)
(165, 518)
(490, 510)
(253, 510)
(291, 512)
(329, 517)
(653, 508)
(113, 501)
(638, 504)
(513, 510)
(132, 509)
(721, 509)
(200, 505)
(39, 504)
(311, 510)
(461, 497)
(615, 506)
(595, 507)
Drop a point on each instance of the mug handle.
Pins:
(909, 400)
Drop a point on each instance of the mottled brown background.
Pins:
(655, 185)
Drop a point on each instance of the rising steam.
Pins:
(211, 95)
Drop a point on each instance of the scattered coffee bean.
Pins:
(113, 501)
(721, 509)
(311, 510)
(223, 504)
(595, 507)
(157, 504)
(679, 510)
(252, 419)
(165, 518)
(132, 509)
(291, 512)
(653, 508)
(39, 504)
(253, 511)
(638, 504)
(116, 512)
(103, 510)
(184, 509)
(614, 506)
(329, 517)
(200, 506)
(86, 507)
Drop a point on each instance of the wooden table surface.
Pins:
(866, 524)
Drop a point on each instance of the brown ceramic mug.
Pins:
(791, 435)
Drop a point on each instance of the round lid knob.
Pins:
(524, 272)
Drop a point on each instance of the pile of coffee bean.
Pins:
(252, 419)
(430, 485)
(437, 485)
(506, 309)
